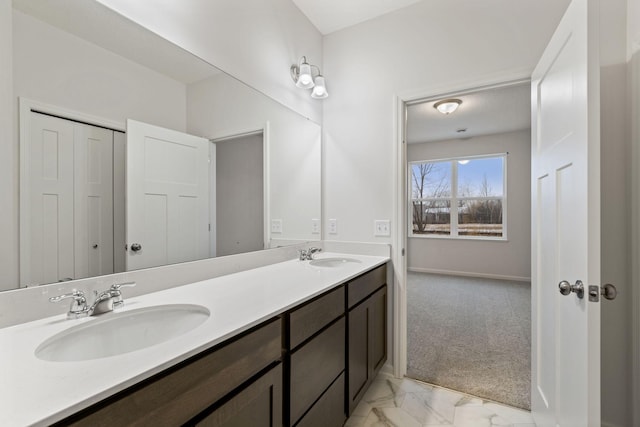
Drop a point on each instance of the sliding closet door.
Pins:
(93, 197)
(47, 240)
(68, 207)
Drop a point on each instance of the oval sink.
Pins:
(119, 333)
(332, 262)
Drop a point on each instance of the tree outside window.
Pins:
(459, 197)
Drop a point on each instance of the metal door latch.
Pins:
(607, 291)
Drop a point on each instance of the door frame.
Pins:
(400, 215)
(248, 131)
(25, 107)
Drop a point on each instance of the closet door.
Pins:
(93, 200)
(46, 239)
(67, 201)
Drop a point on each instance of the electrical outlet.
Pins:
(315, 226)
(382, 227)
(276, 226)
(333, 226)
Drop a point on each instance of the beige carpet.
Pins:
(471, 335)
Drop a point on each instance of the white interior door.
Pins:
(47, 208)
(93, 200)
(566, 223)
(167, 196)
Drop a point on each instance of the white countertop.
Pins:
(37, 392)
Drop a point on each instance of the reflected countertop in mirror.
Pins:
(81, 61)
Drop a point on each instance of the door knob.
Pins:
(607, 291)
(566, 288)
(135, 247)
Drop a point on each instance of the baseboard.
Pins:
(469, 274)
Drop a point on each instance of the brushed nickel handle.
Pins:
(566, 288)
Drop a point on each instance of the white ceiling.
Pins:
(483, 112)
(333, 15)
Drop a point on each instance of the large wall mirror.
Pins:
(135, 153)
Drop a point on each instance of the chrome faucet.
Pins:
(78, 306)
(307, 254)
(105, 301)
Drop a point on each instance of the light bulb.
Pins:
(305, 80)
(447, 106)
(319, 90)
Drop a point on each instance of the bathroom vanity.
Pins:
(294, 343)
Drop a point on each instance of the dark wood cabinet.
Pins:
(308, 367)
(177, 395)
(317, 359)
(257, 405)
(328, 411)
(366, 336)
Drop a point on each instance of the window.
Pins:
(462, 197)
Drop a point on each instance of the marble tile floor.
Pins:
(393, 402)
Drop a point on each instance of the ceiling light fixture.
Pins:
(303, 76)
(447, 106)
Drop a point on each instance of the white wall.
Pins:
(634, 112)
(294, 147)
(615, 156)
(254, 40)
(55, 67)
(510, 259)
(633, 101)
(424, 49)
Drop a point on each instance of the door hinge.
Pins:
(402, 251)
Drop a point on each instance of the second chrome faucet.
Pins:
(105, 301)
(307, 254)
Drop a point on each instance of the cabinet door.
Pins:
(378, 329)
(258, 405)
(358, 353)
(367, 344)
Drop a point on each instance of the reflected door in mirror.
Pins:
(69, 205)
(167, 196)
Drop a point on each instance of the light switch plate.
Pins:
(333, 226)
(276, 226)
(315, 226)
(382, 227)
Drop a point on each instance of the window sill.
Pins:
(477, 239)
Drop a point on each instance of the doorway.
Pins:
(239, 181)
(467, 199)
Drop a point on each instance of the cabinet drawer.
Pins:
(314, 367)
(328, 411)
(362, 286)
(175, 397)
(313, 316)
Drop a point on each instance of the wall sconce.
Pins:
(302, 75)
(447, 106)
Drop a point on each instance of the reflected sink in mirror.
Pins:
(333, 262)
(118, 333)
